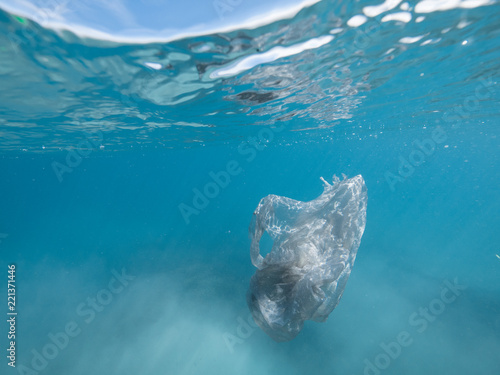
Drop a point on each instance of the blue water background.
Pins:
(119, 208)
(191, 280)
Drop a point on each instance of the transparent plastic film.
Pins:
(314, 248)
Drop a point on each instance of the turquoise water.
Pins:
(104, 145)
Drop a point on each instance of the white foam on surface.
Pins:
(375, 10)
(400, 16)
(273, 54)
(357, 20)
(411, 39)
(429, 6)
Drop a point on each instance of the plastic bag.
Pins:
(314, 248)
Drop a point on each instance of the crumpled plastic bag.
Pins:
(314, 248)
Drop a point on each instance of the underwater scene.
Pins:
(232, 187)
